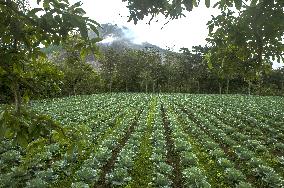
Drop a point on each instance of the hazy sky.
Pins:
(184, 32)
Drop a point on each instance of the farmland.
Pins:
(90, 99)
(144, 140)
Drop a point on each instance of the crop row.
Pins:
(139, 140)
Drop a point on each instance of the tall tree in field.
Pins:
(264, 31)
(262, 22)
(193, 67)
(241, 43)
(146, 74)
(79, 77)
(200, 68)
(109, 66)
(23, 29)
(263, 27)
(124, 70)
(129, 69)
(229, 50)
(153, 58)
(276, 78)
(172, 70)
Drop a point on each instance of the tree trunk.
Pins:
(168, 85)
(282, 84)
(227, 86)
(187, 87)
(16, 87)
(146, 87)
(220, 88)
(110, 85)
(126, 88)
(17, 97)
(249, 87)
(74, 90)
(198, 87)
(259, 87)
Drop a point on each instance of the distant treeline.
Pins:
(150, 70)
(122, 69)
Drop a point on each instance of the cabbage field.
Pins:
(151, 140)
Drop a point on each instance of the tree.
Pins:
(228, 48)
(274, 82)
(172, 70)
(128, 70)
(239, 47)
(109, 66)
(263, 27)
(79, 76)
(171, 9)
(261, 21)
(193, 67)
(152, 65)
(23, 29)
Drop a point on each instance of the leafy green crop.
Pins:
(140, 140)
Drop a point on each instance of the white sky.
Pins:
(183, 32)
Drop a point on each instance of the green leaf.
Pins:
(78, 4)
(211, 27)
(210, 66)
(2, 115)
(94, 22)
(2, 131)
(36, 144)
(21, 140)
(195, 4)
(80, 11)
(17, 70)
(2, 71)
(188, 5)
(70, 150)
(77, 21)
(253, 2)
(9, 133)
(26, 97)
(97, 39)
(84, 31)
(238, 4)
(80, 148)
(207, 3)
(94, 28)
(84, 53)
(46, 4)
(34, 11)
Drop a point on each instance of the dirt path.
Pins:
(173, 157)
(101, 183)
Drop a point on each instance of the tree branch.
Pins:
(8, 5)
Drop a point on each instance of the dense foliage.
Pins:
(154, 70)
(22, 31)
(123, 140)
(239, 53)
